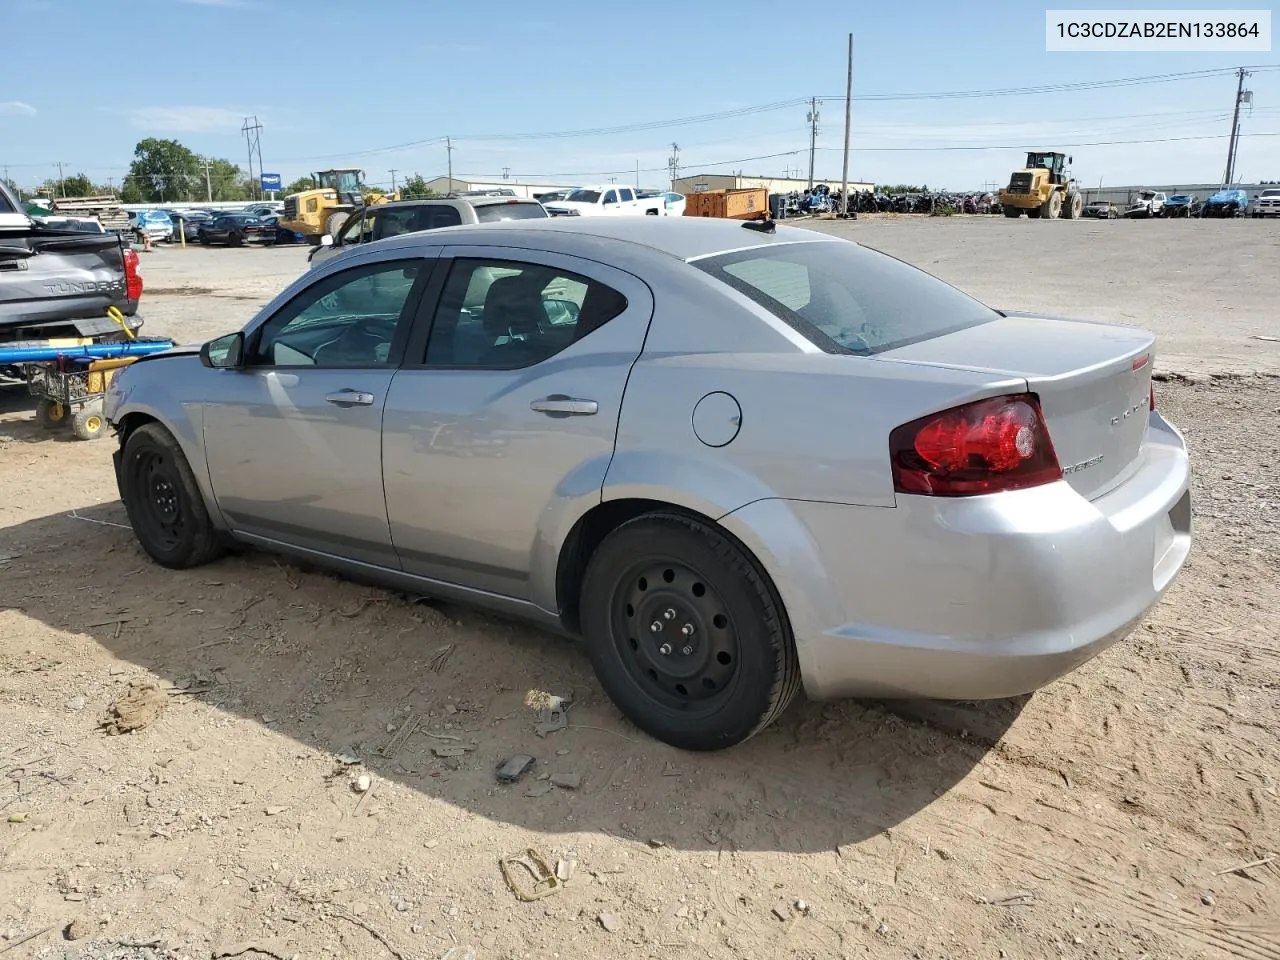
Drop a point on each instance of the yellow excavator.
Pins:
(325, 207)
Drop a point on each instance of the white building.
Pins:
(444, 186)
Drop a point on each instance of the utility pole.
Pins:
(813, 135)
(208, 183)
(637, 174)
(62, 186)
(848, 120)
(1241, 94)
(393, 172)
(448, 149)
(253, 139)
(673, 162)
(506, 173)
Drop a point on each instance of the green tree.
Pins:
(163, 170)
(415, 188)
(302, 183)
(223, 179)
(131, 191)
(13, 185)
(77, 185)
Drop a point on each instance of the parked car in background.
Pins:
(606, 200)
(267, 208)
(1267, 204)
(639, 434)
(1102, 210)
(552, 196)
(234, 230)
(1229, 202)
(673, 203)
(279, 234)
(1148, 203)
(189, 222)
(1182, 205)
(409, 216)
(156, 224)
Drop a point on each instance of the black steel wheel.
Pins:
(686, 634)
(165, 506)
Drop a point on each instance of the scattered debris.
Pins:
(544, 880)
(76, 704)
(372, 931)
(781, 911)
(19, 817)
(609, 921)
(1011, 898)
(1207, 900)
(1245, 866)
(77, 929)
(274, 811)
(802, 907)
(513, 768)
(445, 752)
(349, 759)
(1259, 336)
(362, 783)
(27, 939)
(441, 658)
(142, 705)
(539, 789)
(566, 867)
(74, 897)
(235, 950)
(553, 711)
(568, 781)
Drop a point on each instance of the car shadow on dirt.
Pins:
(344, 668)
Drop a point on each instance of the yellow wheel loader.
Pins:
(323, 209)
(1043, 189)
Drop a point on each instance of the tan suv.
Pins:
(410, 216)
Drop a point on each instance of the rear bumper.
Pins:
(975, 598)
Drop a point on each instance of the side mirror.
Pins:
(224, 353)
(326, 240)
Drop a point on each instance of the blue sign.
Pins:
(271, 181)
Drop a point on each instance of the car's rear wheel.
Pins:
(686, 634)
(165, 507)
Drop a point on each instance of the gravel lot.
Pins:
(1130, 810)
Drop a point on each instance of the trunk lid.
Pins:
(49, 275)
(1093, 381)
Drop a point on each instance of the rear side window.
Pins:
(846, 298)
(493, 212)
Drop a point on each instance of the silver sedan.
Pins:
(731, 459)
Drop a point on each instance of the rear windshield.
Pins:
(847, 298)
(492, 212)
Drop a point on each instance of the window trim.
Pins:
(410, 312)
(415, 354)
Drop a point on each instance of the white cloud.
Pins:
(187, 119)
(18, 107)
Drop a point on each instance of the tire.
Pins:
(1013, 213)
(1052, 208)
(1033, 213)
(51, 414)
(669, 571)
(165, 507)
(234, 239)
(334, 223)
(1074, 207)
(88, 422)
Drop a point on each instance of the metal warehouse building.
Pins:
(702, 182)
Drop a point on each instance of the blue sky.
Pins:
(327, 97)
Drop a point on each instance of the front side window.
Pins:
(611, 197)
(847, 298)
(358, 229)
(348, 319)
(506, 314)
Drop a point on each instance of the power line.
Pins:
(1021, 147)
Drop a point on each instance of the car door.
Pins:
(500, 436)
(292, 437)
(609, 203)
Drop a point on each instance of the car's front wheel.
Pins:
(686, 633)
(165, 507)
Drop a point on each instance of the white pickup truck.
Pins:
(607, 200)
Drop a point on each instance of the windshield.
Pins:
(1147, 195)
(344, 181)
(847, 298)
(584, 196)
(493, 212)
(1271, 193)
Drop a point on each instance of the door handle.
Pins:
(350, 398)
(559, 405)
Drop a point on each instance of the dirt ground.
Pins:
(1130, 810)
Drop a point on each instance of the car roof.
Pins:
(685, 238)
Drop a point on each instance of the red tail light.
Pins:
(985, 447)
(132, 278)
